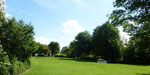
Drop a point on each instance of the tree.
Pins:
(40, 49)
(54, 47)
(84, 43)
(72, 52)
(131, 14)
(4, 62)
(138, 50)
(134, 16)
(68, 51)
(107, 42)
(17, 38)
(65, 50)
(46, 50)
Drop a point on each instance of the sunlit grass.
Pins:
(68, 66)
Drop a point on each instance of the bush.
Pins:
(18, 66)
(90, 58)
(100, 60)
(4, 63)
(60, 55)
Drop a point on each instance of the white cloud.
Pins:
(70, 39)
(8, 15)
(72, 26)
(46, 3)
(45, 40)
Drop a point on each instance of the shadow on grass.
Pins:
(73, 59)
(142, 74)
(137, 64)
(85, 60)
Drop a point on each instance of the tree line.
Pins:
(17, 43)
(105, 43)
(51, 49)
(134, 17)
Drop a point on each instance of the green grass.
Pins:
(68, 66)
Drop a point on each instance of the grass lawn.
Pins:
(68, 66)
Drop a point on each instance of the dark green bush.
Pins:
(18, 66)
(60, 55)
(90, 58)
(4, 63)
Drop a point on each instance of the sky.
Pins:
(61, 20)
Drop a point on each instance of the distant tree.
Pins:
(54, 47)
(64, 50)
(84, 43)
(107, 42)
(40, 49)
(46, 50)
(35, 48)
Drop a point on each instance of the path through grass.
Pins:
(68, 66)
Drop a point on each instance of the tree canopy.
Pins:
(107, 42)
(54, 47)
(84, 43)
(17, 38)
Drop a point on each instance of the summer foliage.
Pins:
(17, 45)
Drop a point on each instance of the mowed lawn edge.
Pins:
(70, 66)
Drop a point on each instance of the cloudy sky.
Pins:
(60, 20)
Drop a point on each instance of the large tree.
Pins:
(138, 48)
(107, 42)
(17, 38)
(131, 14)
(134, 16)
(54, 47)
(84, 44)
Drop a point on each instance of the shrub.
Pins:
(4, 63)
(90, 58)
(18, 66)
(60, 55)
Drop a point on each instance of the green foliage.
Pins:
(17, 39)
(18, 66)
(4, 63)
(36, 47)
(134, 16)
(60, 55)
(72, 49)
(46, 50)
(138, 50)
(66, 50)
(100, 60)
(18, 42)
(83, 44)
(107, 42)
(54, 47)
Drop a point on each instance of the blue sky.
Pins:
(60, 20)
